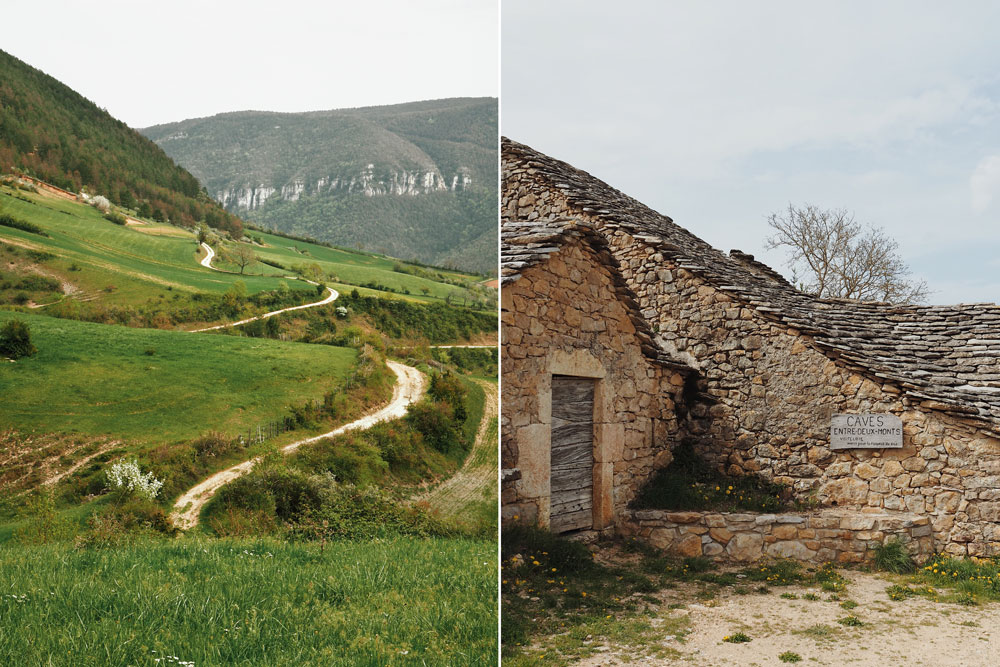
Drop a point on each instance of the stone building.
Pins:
(586, 393)
(756, 371)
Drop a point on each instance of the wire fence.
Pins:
(266, 431)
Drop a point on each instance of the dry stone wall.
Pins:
(767, 394)
(840, 536)
(561, 317)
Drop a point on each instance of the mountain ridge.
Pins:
(432, 163)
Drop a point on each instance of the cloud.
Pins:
(985, 182)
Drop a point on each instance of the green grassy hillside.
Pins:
(157, 386)
(84, 266)
(49, 131)
(416, 180)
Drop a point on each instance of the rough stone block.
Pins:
(791, 549)
(745, 547)
(688, 546)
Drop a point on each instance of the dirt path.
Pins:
(916, 631)
(207, 262)
(449, 346)
(410, 386)
(477, 478)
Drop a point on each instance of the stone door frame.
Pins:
(582, 364)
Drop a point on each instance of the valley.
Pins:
(297, 392)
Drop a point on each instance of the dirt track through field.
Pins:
(410, 386)
(207, 262)
(477, 478)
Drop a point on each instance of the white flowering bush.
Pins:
(127, 476)
(101, 203)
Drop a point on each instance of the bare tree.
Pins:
(243, 256)
(834, 256)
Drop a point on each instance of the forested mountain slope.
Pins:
(51, 132)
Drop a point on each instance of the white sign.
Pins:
(866, 432)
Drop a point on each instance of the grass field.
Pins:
(157, 386)
(259, 602)
(95, 254)
(348, 268)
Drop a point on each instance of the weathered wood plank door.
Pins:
(572, 476)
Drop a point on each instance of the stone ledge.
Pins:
(843, 536)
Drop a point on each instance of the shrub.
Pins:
(118, 523)
(894, 557)
(437, 424)
(16, 223)
(127, 477)
(101, 203)
(15, 340)
(115, 217)
(43, 523)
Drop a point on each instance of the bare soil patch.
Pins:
(30, 461)
(916, 631)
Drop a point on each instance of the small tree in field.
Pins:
(836, 257)
(15, 340)
(243, 256)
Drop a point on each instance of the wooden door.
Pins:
(572, 494)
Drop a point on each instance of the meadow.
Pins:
(117, 264)
(158, 386)
(134, 264)
(250, 602)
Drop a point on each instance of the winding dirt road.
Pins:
(410, 386)
(207, 262)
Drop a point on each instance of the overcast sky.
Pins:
(157, 62)
(719, 113)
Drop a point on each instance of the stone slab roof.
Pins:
(943, 357)
(527, 244)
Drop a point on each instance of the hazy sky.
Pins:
(157, 62)
(719, 113)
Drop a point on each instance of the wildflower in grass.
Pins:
(127, 476)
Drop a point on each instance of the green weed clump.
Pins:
(690, 483)
(970, 580)
(737, 638)
(893, 557)
(776, 573)
(790, 656)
